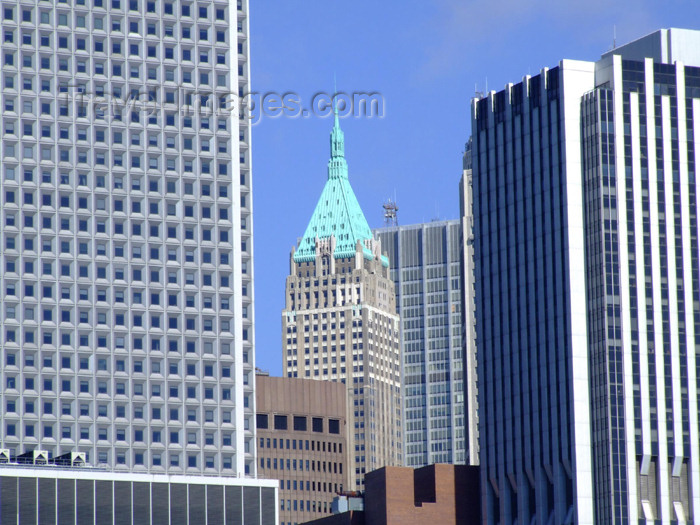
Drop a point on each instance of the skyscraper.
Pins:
(125, 255)
(425, 265)
(340, 322)
(469, 343)
(586, 260)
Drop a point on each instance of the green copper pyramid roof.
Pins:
(337, 211)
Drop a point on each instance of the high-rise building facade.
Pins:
(425, 265)
(586, 262)
(125, 250)
(469, 343)
(340, 322)
(302, 432)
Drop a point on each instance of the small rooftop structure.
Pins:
(391, 210)
(347, 502)
(665, 46)
(70, 459)
(32, 457)
(41, 458)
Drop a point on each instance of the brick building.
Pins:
(302, 442)
(440, 494)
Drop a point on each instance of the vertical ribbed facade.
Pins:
(126, 319)
(424, 263)
(85, 496)
(530, 300)
(641, 211)
(587, 279)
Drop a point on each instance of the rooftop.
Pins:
(665, 46)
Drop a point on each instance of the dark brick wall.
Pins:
(432, 495)
(444, 494)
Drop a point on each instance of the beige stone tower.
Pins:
(340, 322)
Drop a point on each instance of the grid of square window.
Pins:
(122, 181)
(374, 353)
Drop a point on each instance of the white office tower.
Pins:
(125, 250)
(587, 283)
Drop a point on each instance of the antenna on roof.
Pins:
(391, 210)
(614, 36)
(437, 212)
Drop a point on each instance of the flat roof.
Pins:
(58, 472)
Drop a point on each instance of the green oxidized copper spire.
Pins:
(337, 166)
(337, 212)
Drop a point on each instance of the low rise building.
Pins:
(444, 494)
(302, 431)
(35, 492)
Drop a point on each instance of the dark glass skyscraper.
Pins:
(587, 276)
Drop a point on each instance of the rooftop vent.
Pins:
(33, 457)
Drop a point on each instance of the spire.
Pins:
(337, 215)
(337, 166)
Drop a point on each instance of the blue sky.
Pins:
(425, 58)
